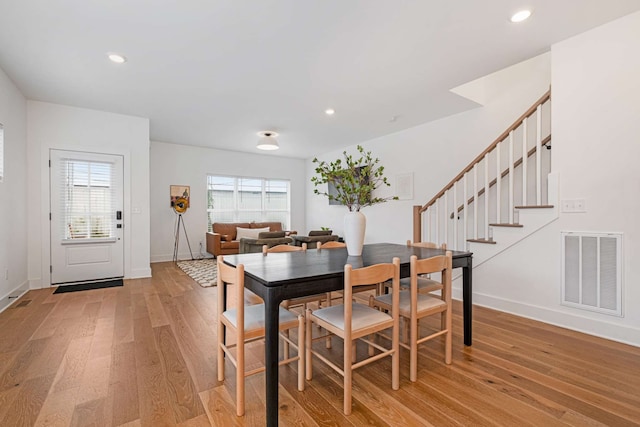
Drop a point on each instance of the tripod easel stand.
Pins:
(177, 239)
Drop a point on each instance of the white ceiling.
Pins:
(215, 72)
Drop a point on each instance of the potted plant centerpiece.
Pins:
(351, 182)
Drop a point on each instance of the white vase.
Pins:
(354, 226)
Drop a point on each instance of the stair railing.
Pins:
(475, 208)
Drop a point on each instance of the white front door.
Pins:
(86, 201)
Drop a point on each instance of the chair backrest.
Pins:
(283, 248)
(429, 245)
(371, 275)
(228, 275)
(437, 264)
(331, 245)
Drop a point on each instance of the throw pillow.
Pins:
(249, 233)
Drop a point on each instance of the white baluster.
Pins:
(429, 223)
(437, 215)
(486, 196)
(445, 211)
(538, 150)
(511, 177)
(524, 162)
(498, 185)
(455, 216)
(465, 211)
(475, 201)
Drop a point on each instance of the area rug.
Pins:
(88, 286)
(203, 271)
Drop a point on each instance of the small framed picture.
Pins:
(177, 191)
(404, 186)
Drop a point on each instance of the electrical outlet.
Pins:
(580, 206)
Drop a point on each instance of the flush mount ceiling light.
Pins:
(117, 58)
(267, 140)
(520, 16)
(329, 111)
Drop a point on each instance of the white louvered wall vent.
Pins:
(592, 271)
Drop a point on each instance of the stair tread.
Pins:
(490, 242)
(506, 224)
(534, 207)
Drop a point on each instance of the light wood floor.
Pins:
(144, 354)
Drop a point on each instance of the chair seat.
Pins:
(254, 318)
(425, 303)
(362, 316)
(424, 284)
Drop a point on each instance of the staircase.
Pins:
(502, 196)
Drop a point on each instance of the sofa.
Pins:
(224, 239)
(315, 237)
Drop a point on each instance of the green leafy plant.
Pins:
(353, 179)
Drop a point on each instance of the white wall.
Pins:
(13, 190)
(173, 164)
(52, 126)
(435, 152)
(595, 150)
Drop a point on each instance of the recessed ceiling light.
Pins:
(521, 16)
(117, 58)
(329, 111)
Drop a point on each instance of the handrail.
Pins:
(493, 145)
(504, 173)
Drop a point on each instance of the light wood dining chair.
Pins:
(425, 284)
(301, 301)
(246, 323)
(414, 305)
(331, 245)
(353, 321)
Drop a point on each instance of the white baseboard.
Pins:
(13, 295)
(573, 321)
(139, 273)
(181, 257)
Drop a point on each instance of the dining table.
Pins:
(281, 276)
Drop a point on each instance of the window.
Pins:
(88, 199)
(1, 152)
(236, 199)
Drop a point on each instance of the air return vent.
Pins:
(592, 271)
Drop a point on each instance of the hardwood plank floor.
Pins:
(144, 355)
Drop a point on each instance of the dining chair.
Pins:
(246, 323)
(331, 245)
(414, 305)
(354, 321)
(425, 284)
(301, 301)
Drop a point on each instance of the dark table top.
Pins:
(284, 268)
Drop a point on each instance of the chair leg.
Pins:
(240, 380)
(347, 378)
(221, 340)
(413, 351)
(307, 347)
(405, 330)
(301, 352)
(395, 357)
(448, 337)
(285, 348)
(353, 351)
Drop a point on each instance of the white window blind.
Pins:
(88, 199)
(238, 199)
